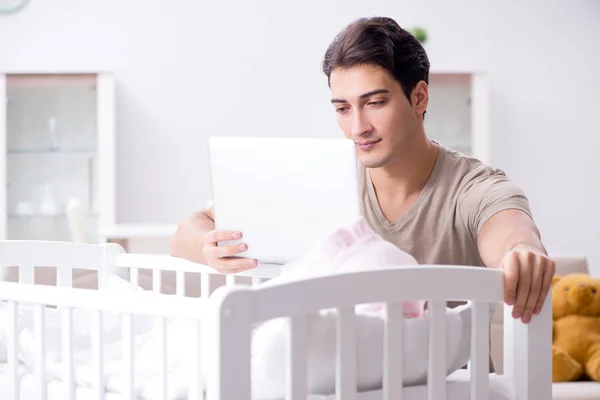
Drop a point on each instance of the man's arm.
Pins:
(510, 240)
(504, 231)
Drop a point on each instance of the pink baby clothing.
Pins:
(352, 248)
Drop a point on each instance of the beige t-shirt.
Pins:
(442, 226)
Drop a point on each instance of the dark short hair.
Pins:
(382, 42)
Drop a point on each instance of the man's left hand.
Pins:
(527, 279)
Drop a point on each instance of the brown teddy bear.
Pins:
(575, 328)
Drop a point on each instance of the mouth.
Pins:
(367, 145)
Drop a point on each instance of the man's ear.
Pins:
(420, 97)
(555, 279)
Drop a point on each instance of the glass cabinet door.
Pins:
(51, 153)
(449, 113)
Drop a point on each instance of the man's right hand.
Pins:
(196, 240)
(223, 258)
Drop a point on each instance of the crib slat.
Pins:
(480, 383)
(436, 376)
(67, 353)
(128, 363)
(297, 373)
(393, 349)
(12, 350)
(134, 276)
(64, 277)
(156, 280)
(204, 285)
(102, 278)
(162, 359)
(26, 274)
(230, 279)
(346, 355)
(180, 285)
(97, 355)
(196, 386)
(40, 357)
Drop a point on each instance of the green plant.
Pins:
(419, 33)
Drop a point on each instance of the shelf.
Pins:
(51, 80)
(82, 150)
(59, 135)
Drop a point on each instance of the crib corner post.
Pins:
(528, 353)
(229, 322)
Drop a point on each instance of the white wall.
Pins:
(193, 69)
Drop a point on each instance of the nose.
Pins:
(360, 124)
(584, 294)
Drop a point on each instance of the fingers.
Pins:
(511, 277)
(232, 271)
(213, 251)
(223, 258)
(527, 279)
(524, 272)
(536, 269)
(215, 236)
(549, 269)
(230, 265)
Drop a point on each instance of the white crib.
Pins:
(233, 311)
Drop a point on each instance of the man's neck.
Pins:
(406, 176)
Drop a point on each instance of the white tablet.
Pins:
(283, 194)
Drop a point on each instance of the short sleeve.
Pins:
(486, 192)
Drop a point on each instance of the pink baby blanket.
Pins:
(355, 247)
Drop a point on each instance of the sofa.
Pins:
(581, 390)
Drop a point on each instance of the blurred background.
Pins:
(110, 102)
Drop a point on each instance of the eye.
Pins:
(566, 289)
(377, 103)
(341, 110)
(594, 290)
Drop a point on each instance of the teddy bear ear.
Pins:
(555, 279)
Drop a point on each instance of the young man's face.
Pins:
(374, 112)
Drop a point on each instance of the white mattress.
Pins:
(457, 389)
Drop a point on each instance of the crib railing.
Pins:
(239, 308)
(66, 257)
(203, 274)
(66, 300)
(108, 260)
(527, 347)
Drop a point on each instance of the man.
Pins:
(438, 205)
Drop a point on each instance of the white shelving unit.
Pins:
(57, 148)
(458, 112)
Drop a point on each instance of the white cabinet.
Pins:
(458, 112)
(57, 155)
